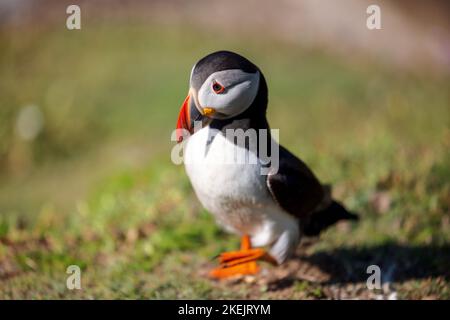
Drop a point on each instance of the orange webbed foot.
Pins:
(242, 262)
(248, 268)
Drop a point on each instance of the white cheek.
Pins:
(234, 100)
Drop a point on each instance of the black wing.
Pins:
(294, 187)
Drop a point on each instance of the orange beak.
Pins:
(190, 115)
(184, 119)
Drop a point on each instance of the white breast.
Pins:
(234, 192)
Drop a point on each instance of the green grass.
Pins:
(97, 188)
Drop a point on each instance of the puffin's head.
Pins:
(223, 85)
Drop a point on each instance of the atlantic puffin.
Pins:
(270, 208)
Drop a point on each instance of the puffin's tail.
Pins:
(322, 219)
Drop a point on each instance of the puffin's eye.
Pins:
(217, 87)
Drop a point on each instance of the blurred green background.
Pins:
(85, 123)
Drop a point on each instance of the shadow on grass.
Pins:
(398, 263)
